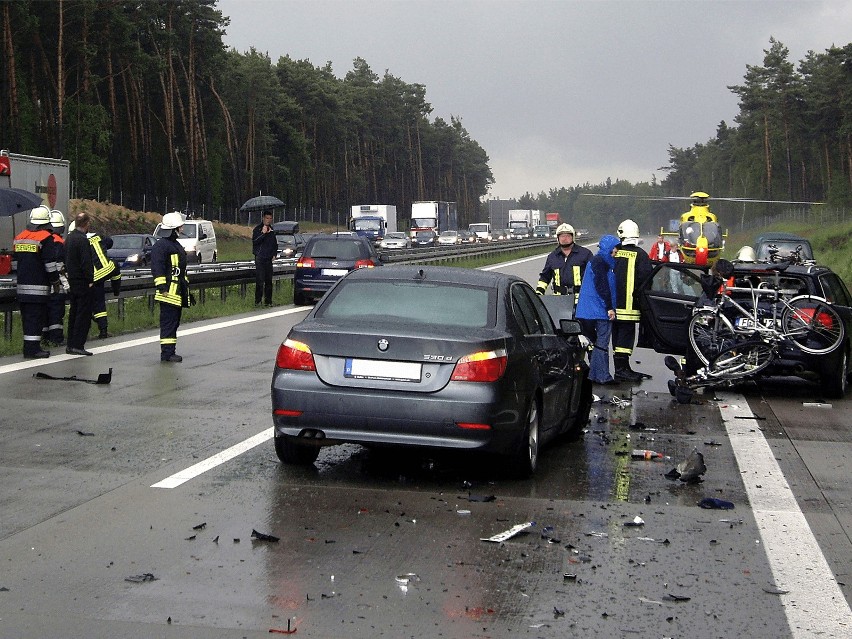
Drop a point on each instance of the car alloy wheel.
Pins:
(525, 459)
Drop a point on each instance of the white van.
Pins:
(199, 239)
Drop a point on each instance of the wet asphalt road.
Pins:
(374, 545)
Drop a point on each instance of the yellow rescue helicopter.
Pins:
(700, 238)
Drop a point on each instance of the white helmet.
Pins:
(746, 254)
(173, 220)
(628, 229)
(40, 215)
(57, 220)
(564, 228)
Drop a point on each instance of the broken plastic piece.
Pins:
(671, 597)
(138, 579)
(775, 590)
(690, 469)
(201, 526)
(637, 521)
(103, 378)
(816, 404)
(262, 536)
(508, 534)
(712, 502)
(84, 434)
(407, 578)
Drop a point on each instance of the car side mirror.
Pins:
(570, 327)
(203, 236)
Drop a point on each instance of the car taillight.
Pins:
(364, 264)
(295, 355)
(306, 262)
(484, 366)
(806, 316)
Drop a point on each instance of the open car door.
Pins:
(667, 299)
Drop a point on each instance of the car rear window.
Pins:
(412, 303)
(335, 249)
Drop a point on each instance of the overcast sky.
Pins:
(557, 92)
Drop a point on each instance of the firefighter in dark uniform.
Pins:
(168, 267)
(54, 331)
(565, 266)
(38, 276)
(632, 266)
(105, 269)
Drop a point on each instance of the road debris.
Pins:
(262, 536)
(690, 469)
(138, 579)
(636, 522)
(508, 534)
(714, 503)
(103, 378)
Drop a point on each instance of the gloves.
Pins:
(116, 287)
(63, 282)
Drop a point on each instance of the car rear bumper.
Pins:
(334, 415)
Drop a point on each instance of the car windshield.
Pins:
(188, 230)
(395, 236)
(367, 225)
(449, 234)
(285, 240)
(479, 228)
(425, 235)
(127, 241)
(335, 250)
(423, 221)
(412, 303)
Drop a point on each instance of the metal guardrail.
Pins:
(140, 283)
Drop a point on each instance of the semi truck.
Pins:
(524, 218)
(373, 221)
(434, 216)
(48, 178)
(552, 220)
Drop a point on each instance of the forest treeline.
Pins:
(792, 140)
(153, 110)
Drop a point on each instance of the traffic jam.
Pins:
(587, 441)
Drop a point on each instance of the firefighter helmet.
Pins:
(40, 215)
(564, 228)
(173, 220)
(628, 229)
(57, 220)
(746, 254)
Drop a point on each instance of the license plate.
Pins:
(380, 369)
(745, 322)
(334, 272)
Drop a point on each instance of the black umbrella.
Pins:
(261, 203)
(14, 201)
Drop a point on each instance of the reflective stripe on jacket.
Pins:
(632, 266)
(104, 267)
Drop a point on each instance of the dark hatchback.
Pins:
(670, 295)
(424, 239)
(327, 258)
(131, 250)
(429, 357)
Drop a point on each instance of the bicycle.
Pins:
(806, 322)
(731, 365)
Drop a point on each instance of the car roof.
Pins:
(768, 237)
(791, 269)
(443, 274)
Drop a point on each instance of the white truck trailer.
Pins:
(48, 178)
(373, 221)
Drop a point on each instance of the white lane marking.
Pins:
(211, 462)
(815, 605)
(19, 366)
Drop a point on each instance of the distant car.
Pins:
(519, 232)
(542, 230)
(290, 245)
(671, 294)
(466, 237)
(325, 259)
(473, 358)
(448, 238)
(782, 246)
(131, 250)
(499, 235)
(424, 239)
(395, 240)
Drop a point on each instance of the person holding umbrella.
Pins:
(264, 246)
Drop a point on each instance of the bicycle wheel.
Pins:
(709, 333)
(812, 324)
(741, 360)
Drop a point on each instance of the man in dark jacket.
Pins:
(564, 267)
(264, 246)
(81, 276)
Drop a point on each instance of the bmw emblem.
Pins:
(383, 345)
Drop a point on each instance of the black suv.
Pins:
(670, 295)
(327, 258)
(291, 243)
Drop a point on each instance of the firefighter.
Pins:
(38, 276)
(54, 331)
(105, 269)
(565, 266)
(632, 266)
(168, 267)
